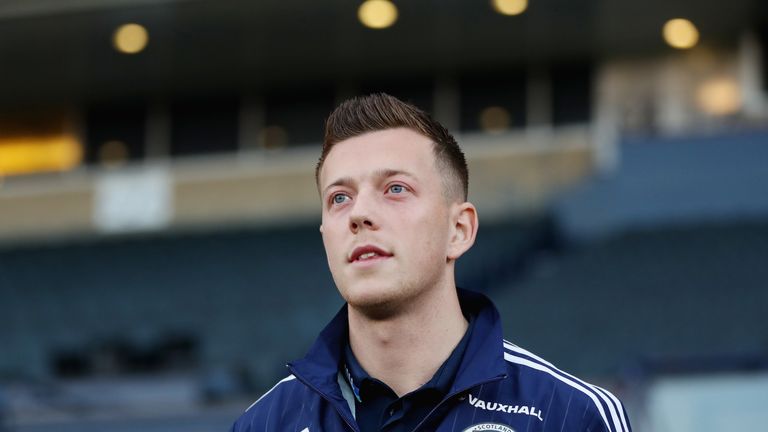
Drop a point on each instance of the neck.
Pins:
(404, 351)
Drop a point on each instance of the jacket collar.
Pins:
(483, 359)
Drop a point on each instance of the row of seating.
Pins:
(249, 299)
(615, 306)
(246, 296)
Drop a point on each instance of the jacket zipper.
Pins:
(354, 426)
(341, 414)
(451, 396)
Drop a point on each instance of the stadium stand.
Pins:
(218, 294)
(675, 292)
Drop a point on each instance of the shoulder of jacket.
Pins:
(254, 417)
(271, 393)
(608, 409)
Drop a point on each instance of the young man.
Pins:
(409, 351)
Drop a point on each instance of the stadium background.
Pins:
(159, 253)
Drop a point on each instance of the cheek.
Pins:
(431, 234)
(330, 240)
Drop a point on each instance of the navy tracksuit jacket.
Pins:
(499, 387)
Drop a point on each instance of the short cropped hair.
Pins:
(380, 111)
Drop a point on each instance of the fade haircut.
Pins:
(380, 111)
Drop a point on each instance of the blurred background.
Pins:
(160, 259)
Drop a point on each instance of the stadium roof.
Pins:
(61, 51)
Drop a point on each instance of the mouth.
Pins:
(367, 253)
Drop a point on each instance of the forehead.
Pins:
(392, 149)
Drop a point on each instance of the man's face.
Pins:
(386, 221)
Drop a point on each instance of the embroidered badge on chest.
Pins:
(489, 427)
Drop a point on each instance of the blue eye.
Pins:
(396, 189)
(339, 198)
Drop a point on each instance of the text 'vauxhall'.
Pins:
(511, 409)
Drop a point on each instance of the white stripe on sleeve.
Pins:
(288, 378)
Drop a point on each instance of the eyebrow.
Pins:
(381, 174)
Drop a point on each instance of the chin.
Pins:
(375, 302)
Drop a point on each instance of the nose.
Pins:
(358, 223)
(361, 215)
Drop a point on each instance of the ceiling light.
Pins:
(130, 38)
(113, 153)
(509, 7)
(494, 119)
(719, 96)
(274, 137)
(680, 33)
(377, 14)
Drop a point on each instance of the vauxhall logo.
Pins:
(511, 409)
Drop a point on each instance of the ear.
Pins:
(321, 228)
(464, 224)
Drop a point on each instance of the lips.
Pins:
(367, 252)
